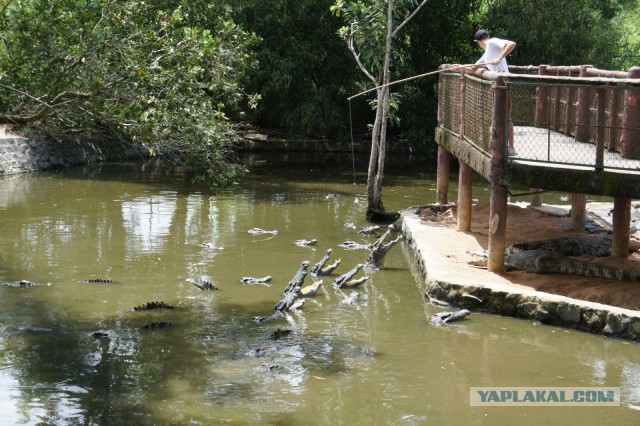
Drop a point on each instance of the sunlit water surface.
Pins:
(379, 362)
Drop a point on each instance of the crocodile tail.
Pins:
(600, 270)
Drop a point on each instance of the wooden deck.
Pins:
(530, 168)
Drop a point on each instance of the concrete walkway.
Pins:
(448, 279)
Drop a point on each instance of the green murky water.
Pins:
(378, 362)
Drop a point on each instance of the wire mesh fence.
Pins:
(450, 102)
(592, 125)
(478, 103)
(551, 125)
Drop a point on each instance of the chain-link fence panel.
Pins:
(450, 102)
(478, 107)
(573, 124)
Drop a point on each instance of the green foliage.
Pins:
(626, 22)
(569, 32)
(304, 72)
(147, 71)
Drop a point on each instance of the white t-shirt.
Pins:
(495, 46)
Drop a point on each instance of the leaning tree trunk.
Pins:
(373, 158)
(375, 208)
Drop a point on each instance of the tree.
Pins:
(162, 75)
(369, 36)
(570, 32)
(304, 72)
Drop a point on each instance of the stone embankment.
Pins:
(480, 290)
(20, 155)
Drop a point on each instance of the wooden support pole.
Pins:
(582, 116)
(465, 191)
(442, 176)
(630, 138)
(569, 122)
(621, 222)
(578, 211)
(542, 101)
(536, 197)
(498, 204)
(612, 123)
(600, 121)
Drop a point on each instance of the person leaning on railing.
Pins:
(494, 58)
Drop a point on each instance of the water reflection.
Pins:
(148, 221)
(327, 364)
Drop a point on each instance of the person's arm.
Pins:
(508, 48)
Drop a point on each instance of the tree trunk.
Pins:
(375, 208)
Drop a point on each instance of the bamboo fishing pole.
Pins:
(419, 76)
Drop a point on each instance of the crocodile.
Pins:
(260, 231)
(351, 300)
(279, 333)
(577, 245)
(98, 281)
(151, 306)
(159, 324)
(346, 280)
(369, 231)
(311, 290)
(298, 278)
(204, 285)
(305, 243)
(352, 245)
(252, 280)
(328, 270)
(375, 261)
(320, 268)
(255, 352)
(443, 318)
(545, 262)
(20, 284)
(292, 296)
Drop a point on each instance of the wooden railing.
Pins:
(589, 105)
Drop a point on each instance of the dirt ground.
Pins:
(528, 224)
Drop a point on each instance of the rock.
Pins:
(568, 314)
(528, 309)
(614, 325)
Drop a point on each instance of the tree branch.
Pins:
(417, 9)
(357, 58)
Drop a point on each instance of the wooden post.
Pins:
(630, 139)
(621, 222)
(498, 204)
(442, 176)
(444, 158)
(578, 211)
(462, 107)
(612, 121)
(582, 115)
(465, 175)
(569, 127)
(536, 197)
(542, 101)
(465, 191)
(555, 125)
(600, 123)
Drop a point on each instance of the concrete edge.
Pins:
(516, 301)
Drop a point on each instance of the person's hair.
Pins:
(481, 35)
